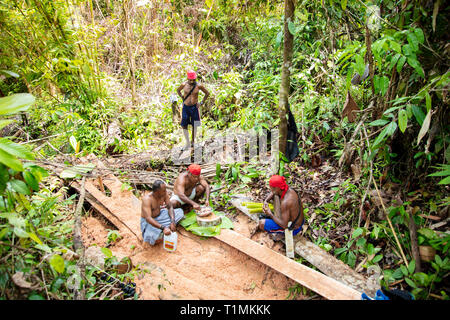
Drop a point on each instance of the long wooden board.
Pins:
(312, 279)
(319, 258)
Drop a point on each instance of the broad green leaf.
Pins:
(391, 128)
(292, 28)
(357, 232)
(419, 35)
(428, 233)
(10, 161)
(384, 85)
(4, 177)
(74, 171)
(73, 143)
(15, 149)
(30, 180)
(428, 101)
(400, 63)
(377, 258)
(379, 122)
(4, 123)
(394, 60)
(402, 120)
(10, 73)
(412, 40)
(36, 296)
(107, 252)
(16, 103)
(209, 3)
(3, 232)
(21, 233)
(412, 266)
(410, 282)
(395, 46)
(34, 237)
(57, 263)
(43, 247)
(279, 39)
(344, 5)
(445, 181)
(360, 65)
(20, 187)
(418, 114)
(425, 126)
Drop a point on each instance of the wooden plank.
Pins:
(333, 267)
(312, 279)
(321, 259)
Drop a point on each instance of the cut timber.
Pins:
(209, 221)
(314, 280)
(333, 267)
(319, 258)
(122, 203)
(122, 226)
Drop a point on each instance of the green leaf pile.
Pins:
(190, 224)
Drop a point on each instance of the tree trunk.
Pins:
(285, 74)
(128, 41)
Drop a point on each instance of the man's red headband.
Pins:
(277, 181)
(191, 75)
(194, 169)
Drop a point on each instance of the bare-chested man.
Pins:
(189, 187)
(158, 216)
(190, 113)
(291, 209)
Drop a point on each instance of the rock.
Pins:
(95, 256)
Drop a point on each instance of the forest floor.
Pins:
(200, 268)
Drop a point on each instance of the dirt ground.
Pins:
(200, 268)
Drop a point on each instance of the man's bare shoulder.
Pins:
(291, 196)
(147, 198)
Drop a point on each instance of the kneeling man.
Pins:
(189, 187)
(291, 209)
(158, 216)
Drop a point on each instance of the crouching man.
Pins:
(189, 187)
(158, 216)
(291, 209)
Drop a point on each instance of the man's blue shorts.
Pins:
(190, 115)
(271, 227)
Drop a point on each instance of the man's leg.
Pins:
(186, 137)
(199, 191)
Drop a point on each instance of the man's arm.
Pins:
(147, 210)
(205, 91)
(285, 214)
(179, 191)
(179, 91)
(171, 213)
(205, 184)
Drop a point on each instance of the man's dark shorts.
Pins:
(190, 115)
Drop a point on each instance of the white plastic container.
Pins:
(170, 242)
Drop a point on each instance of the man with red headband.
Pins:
(291, 209)
(190, 114)
(189, 187)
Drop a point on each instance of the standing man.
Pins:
(189, 187)
(158, 217)
(291, 209)
(188, 91)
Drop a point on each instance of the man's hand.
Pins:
(196, 206)
(167, 231)
(173, 227)
(267, 210)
